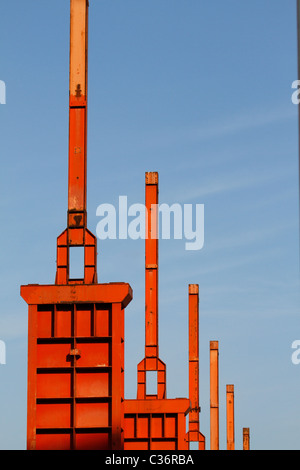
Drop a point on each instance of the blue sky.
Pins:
(199, 91)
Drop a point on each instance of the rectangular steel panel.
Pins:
(52, 385)
(49, 441)
(158, 424)
(53, 415)
(93, 415)
(93, 384)
(75, 369)
(92, 440)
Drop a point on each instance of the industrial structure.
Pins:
(152, 421)
(76, 328)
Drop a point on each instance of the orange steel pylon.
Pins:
(214, 395)
(230, 416)
(152, 421)
(214, 406)
(194, 434)
(246, 439)
(77, 234)
(151, 362)
(76, 326)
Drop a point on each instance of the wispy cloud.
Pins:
(249, 119)
(13, 325)
(225, 183)
(233, 124)
(203, 130)
(250, 237)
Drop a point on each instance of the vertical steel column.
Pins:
(230, 416)
(77, 233)
(246, 439)
(31, 377)
(214, 395)
(151, 362)
(194, 425)
(153, 422)
(151, 265)
(117, 414)
(76, 327)
(78, 112)
(194, 361)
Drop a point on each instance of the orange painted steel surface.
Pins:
(246, 439)
(76, 233)
(194, 434)
(156, 424)
(151, 362)
(230, 416)
(214, 395)
(152, 421)
(76, 326)
(78, 109)
(75, 366)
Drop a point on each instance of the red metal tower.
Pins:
(76, 326)
(152, 421)
(194, 434)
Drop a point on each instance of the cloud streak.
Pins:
(228, 183)
(242, 122)
(246, 120)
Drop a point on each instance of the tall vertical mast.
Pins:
(246, 438)
(151, 265)
(78, 113)
(77, 234)
(214, 395)
(151, 362)
(230, 416)
(193, 358)
(194, 424)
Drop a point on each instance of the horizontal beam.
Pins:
(35, 294)
(170, 405)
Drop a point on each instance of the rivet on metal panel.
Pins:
(75, 352)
